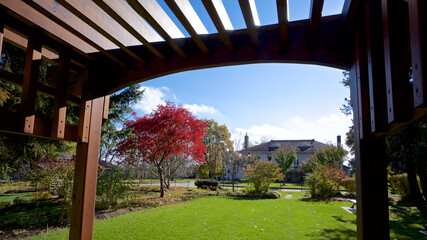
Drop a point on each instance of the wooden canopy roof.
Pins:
(136, 40)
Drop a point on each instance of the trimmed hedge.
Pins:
(349, 184)
(206, 183)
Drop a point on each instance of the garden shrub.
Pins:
(111, 186)
(349, 184)
(401, 185)
(42, 196)
(272, 195)
(325, 180)
(261, 174)
(210, 184)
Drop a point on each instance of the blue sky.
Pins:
(270, 101)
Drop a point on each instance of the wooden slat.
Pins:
(85, 175)
(251, 19)
(361, 87)
(418, 39)
(106, 107)
(118, 14)
(60, 104)
(189, 19)
(41, 88)
(316, 7)
(60, 16)
(84, 16)
(29, 84)
(349, 14)
(151, 11)
(219, 17)
(283, 16)
(2, 20)
(86, 106)
(23, 11)
(376, 72)
(396, 56)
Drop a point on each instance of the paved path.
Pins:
(191, 184)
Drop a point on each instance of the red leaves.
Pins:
(169, 131)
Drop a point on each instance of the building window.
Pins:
(269, 157)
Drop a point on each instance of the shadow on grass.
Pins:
(335, 233)
(407, 221)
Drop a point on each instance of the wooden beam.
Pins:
(316, 7)
(35, 19)
(118, 13)
(251, 19)
(219, 17)
(60, 104)
(396, 56)
(85, 18)
(376, 71)
(349, 14)
(151, 11)
(418, 38)
(189, 19)
(60, 16)
(331, 51)
(283, 16)
(85, 174)
(29, 84)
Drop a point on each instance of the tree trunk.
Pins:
(422, 169)
(162, 190)
(232, 183)
(415, 193)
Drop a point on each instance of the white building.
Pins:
(265, 151)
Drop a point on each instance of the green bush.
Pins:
(325, 180)
(111, 186)
(401, 185)
(42, 196)
(349, 184)
(206, 184)
(272, 195)
(261, 174)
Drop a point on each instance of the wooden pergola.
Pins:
(101, 46)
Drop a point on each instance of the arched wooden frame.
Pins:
(108, 45)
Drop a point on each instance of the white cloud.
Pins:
(324, 129)
(151, 99)
(196, 109)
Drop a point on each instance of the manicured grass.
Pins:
(230, 218)
(8, 197)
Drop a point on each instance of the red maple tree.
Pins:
(170, 130)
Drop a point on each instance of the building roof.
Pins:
(298, 145)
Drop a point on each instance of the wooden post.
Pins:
(60, 104)
(29, 85)
(418, 24)
(371, 174)
(86, 166)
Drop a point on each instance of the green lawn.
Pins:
(8, 197)
(229, 218)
